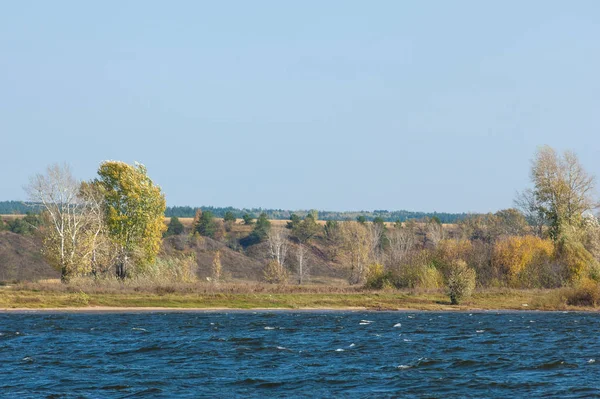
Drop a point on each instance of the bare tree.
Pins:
(375, 232)
(528, 204)
(277, 238)
(58, 191)
(302, 254)
(434, 232)
(357, 244)
(564, 191)
(402, 241)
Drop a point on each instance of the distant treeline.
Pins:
(19, 207)
(282, 214)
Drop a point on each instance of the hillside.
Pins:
(20, 259)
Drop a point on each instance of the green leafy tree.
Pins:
(361, 219)
(262, 227)
(25, 226)
(294, 221)
(259, 233)
(135, 209)
(248, 219)
(384, 241)
(229, 217)
(206, 226)
(306, 229)
(175, 227)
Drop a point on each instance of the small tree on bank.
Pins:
(134, 213)
(461, 282)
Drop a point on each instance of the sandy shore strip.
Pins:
(119, 309)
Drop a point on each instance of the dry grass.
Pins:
(11, 217)
(202, 295)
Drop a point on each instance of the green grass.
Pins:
(376, 300)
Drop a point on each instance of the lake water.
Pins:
(299, 354)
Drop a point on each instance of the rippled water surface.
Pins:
(299, 354)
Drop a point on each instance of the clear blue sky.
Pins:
(338, 105)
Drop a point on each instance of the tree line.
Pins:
(281, 214)
(551, 238)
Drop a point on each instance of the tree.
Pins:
(217, 268)
(356, 249)
(175, 227)
(26, 226)
(259, 233)
(520, 258)
(294, 221)
(529, 205)
(229, 217)
(248, 219)
(278, 245)
(379, 225)
(262, 227)
(563, 190)
(301, 258)
(58, 191)
(134, 212)
(401, 242)
(461, 282)
(206, 226)
(102, 252)
(306, 229)
(361, 219)
(229, 220)
(509, 222)
(434, 232)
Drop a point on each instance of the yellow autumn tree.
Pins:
(134, 214)
(520, 258)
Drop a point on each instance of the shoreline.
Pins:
(155, 309)
(48, 301)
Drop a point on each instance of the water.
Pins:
(299, 354)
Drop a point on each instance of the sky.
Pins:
(336, 105)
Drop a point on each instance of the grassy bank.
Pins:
(38, 296)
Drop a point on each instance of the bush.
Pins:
(275, 273)
(576, 259)
(461, 282)
(377, 277)
(418, 271)
(519, 259)
(174, 228)
(586, 293)
(172, 269)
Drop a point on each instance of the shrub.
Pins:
(275, 273)
(172, 269)
(586, 293)
(377, 277)
(461, 282)
(517, 259)
(418, 271)
(576, 259)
